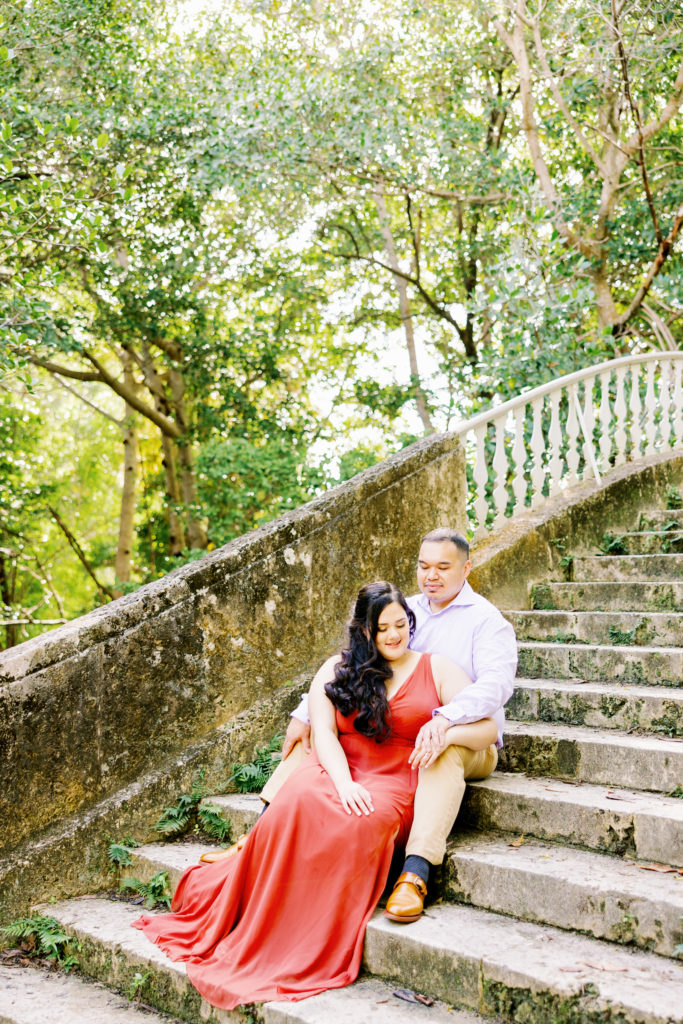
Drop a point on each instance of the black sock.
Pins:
(418, 866)
(263, 810)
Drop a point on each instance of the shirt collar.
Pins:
(466, 596)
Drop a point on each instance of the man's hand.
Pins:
(429, 742)
(296, 731)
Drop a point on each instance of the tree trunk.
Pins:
(7, 596)
(195, 528)
(404, 311)
(128, 501)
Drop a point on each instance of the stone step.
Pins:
(576, 890)
(602, 757)
(473, 958)
(599, 705)
(654, 666)
(658, 519)
(29, 995)
(523, 971)
(241, 809)
(655, 629)
(644, 542)
(626, 823)
(622, 568)
(584, 597)
(112, 951)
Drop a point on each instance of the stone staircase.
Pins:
(559, 902)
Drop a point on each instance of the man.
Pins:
(454, 621)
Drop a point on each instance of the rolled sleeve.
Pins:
(300, 712)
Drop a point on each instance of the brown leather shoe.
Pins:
(213, 855)
(407, 898)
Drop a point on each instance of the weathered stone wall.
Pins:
(90, 709)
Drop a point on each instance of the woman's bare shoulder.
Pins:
(325, 673)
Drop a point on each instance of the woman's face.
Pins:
(393, 632)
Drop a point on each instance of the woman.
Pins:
(286, 918)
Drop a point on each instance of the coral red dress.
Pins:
(286, 917)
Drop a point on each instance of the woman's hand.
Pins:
(355, 798)
(430, 742)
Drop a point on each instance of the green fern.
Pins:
(252, 777)
(119, 853)
(213, 824)
(155, 893)
(674, 499)
(42, 937)
(620, 638)
(611, 544)
(177, 819)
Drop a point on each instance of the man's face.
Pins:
(441, 571)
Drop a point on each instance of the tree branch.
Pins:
(79, 553)
(665, 247)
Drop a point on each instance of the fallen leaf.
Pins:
(604, 965)
(517, 842)
(663, 869)
(573, 970)
(616, 796)
(425, 1000)
(405, 994)
(551, 790)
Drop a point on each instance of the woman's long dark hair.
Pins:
(361, 675)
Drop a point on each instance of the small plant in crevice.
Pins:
(566, 561)
(670, 524)
(213, 824)
(564, 638)
(119, 853)
(623, 638)
(677, 791)
(190, 814)
(611, 544)
(152, 894)
(132, 989)
(42, 938)
(674, 499)
(252, 777)
(177, 819)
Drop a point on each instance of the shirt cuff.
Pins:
(300, 712)
(447, 712)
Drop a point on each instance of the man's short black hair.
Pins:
(446, 533)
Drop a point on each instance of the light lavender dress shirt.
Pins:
(471, 632)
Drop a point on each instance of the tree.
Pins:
(600, 86)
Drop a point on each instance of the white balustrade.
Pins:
(581, 426)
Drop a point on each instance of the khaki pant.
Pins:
(438, 796)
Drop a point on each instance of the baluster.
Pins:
(664, 398)
(650, 410)
(678, 402)
(519, 455)
(636, 409)
(537, 450)
(500, 472)
(555, 440)
(605, 419)
(572, 435)
(620, 411)
(587, 426)
(481, 505)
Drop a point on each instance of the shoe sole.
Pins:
(402, 919)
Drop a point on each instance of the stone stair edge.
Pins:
(494, 969)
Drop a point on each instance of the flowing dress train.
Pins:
(286, 917)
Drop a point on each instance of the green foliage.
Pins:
(622, 638)
(674, 499)
(119, 853)
(611, 544)
(677, 791)
(42, 937)
(177, 819)
(213, 823)
(136, 984)
(252, 777)
(154, 893)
